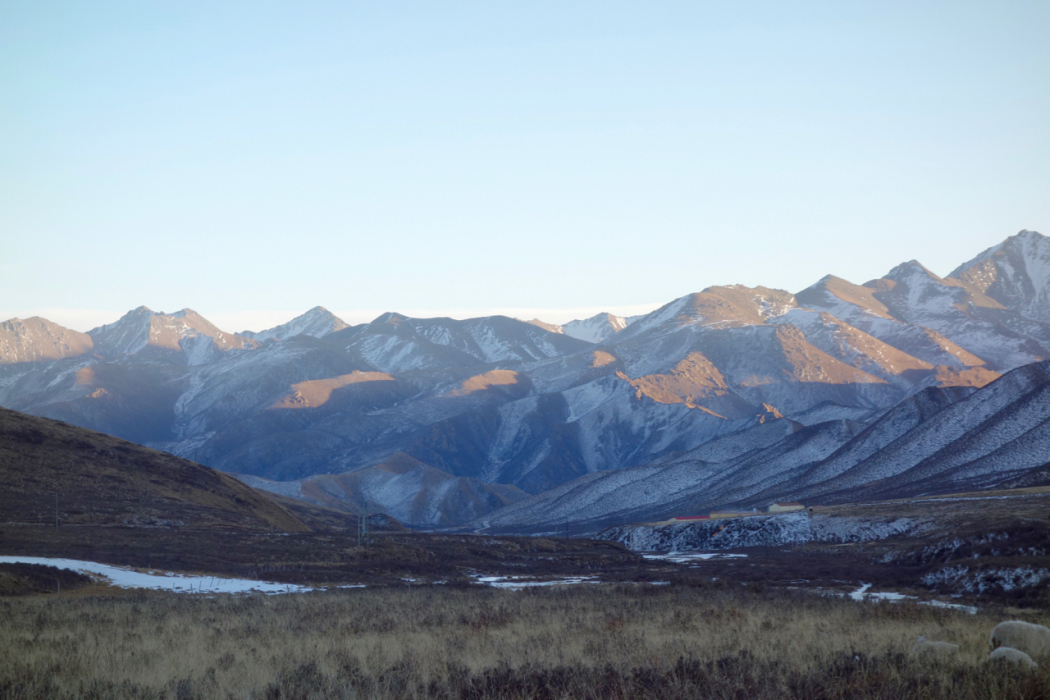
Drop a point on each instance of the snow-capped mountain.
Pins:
(502, 401)
(596, 328)
(394, 342)
(184, 334)
(941, 321)
(38, 340)
(1015, 273)
(317, 322)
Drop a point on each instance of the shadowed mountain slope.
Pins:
(90, 478)
(937, 441)
(414, 493)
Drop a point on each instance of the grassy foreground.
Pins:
(598, 641)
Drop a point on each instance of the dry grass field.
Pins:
(713, 640)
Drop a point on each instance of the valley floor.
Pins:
(442, 615)
(970, 549)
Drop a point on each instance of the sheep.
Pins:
(1013, 656)
(1031, 639)
(926, 646)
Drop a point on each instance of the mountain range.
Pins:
(726, 392)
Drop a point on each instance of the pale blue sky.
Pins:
(552, 157)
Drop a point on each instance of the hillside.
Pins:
(413, 493)
(934, 442)
(52, 469)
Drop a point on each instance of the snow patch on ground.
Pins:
(863, 593)
(979, 581)
(160, 581)
(687, 558)
(516, 583)
(758, 531)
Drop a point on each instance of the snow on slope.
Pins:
(982, 422)
(404, 488)
(970, 319)
(854, 347)
(672, 486)
(486, 339)
(184, 334)
(1016, 273)
(759, 531)
(37, 339)
(596, 328)
(122, 577)
(859, 306)
(317, 322)
(937, 441)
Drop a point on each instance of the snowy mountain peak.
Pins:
(317, 322)
(35, 339)
(739, 305)
(596, 328)
(1014, 273)
(719, 307)
(911, 272)
(391, 318)
(843, 298)
(184, 332)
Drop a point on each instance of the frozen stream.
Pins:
(863, 593)
(159, 580)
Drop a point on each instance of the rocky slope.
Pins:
(39, 340)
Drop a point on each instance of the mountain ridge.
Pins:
(504, 401)
(317, 322)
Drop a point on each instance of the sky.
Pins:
(552, 159)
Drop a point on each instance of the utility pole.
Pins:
(362, 530)
(56, 509)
